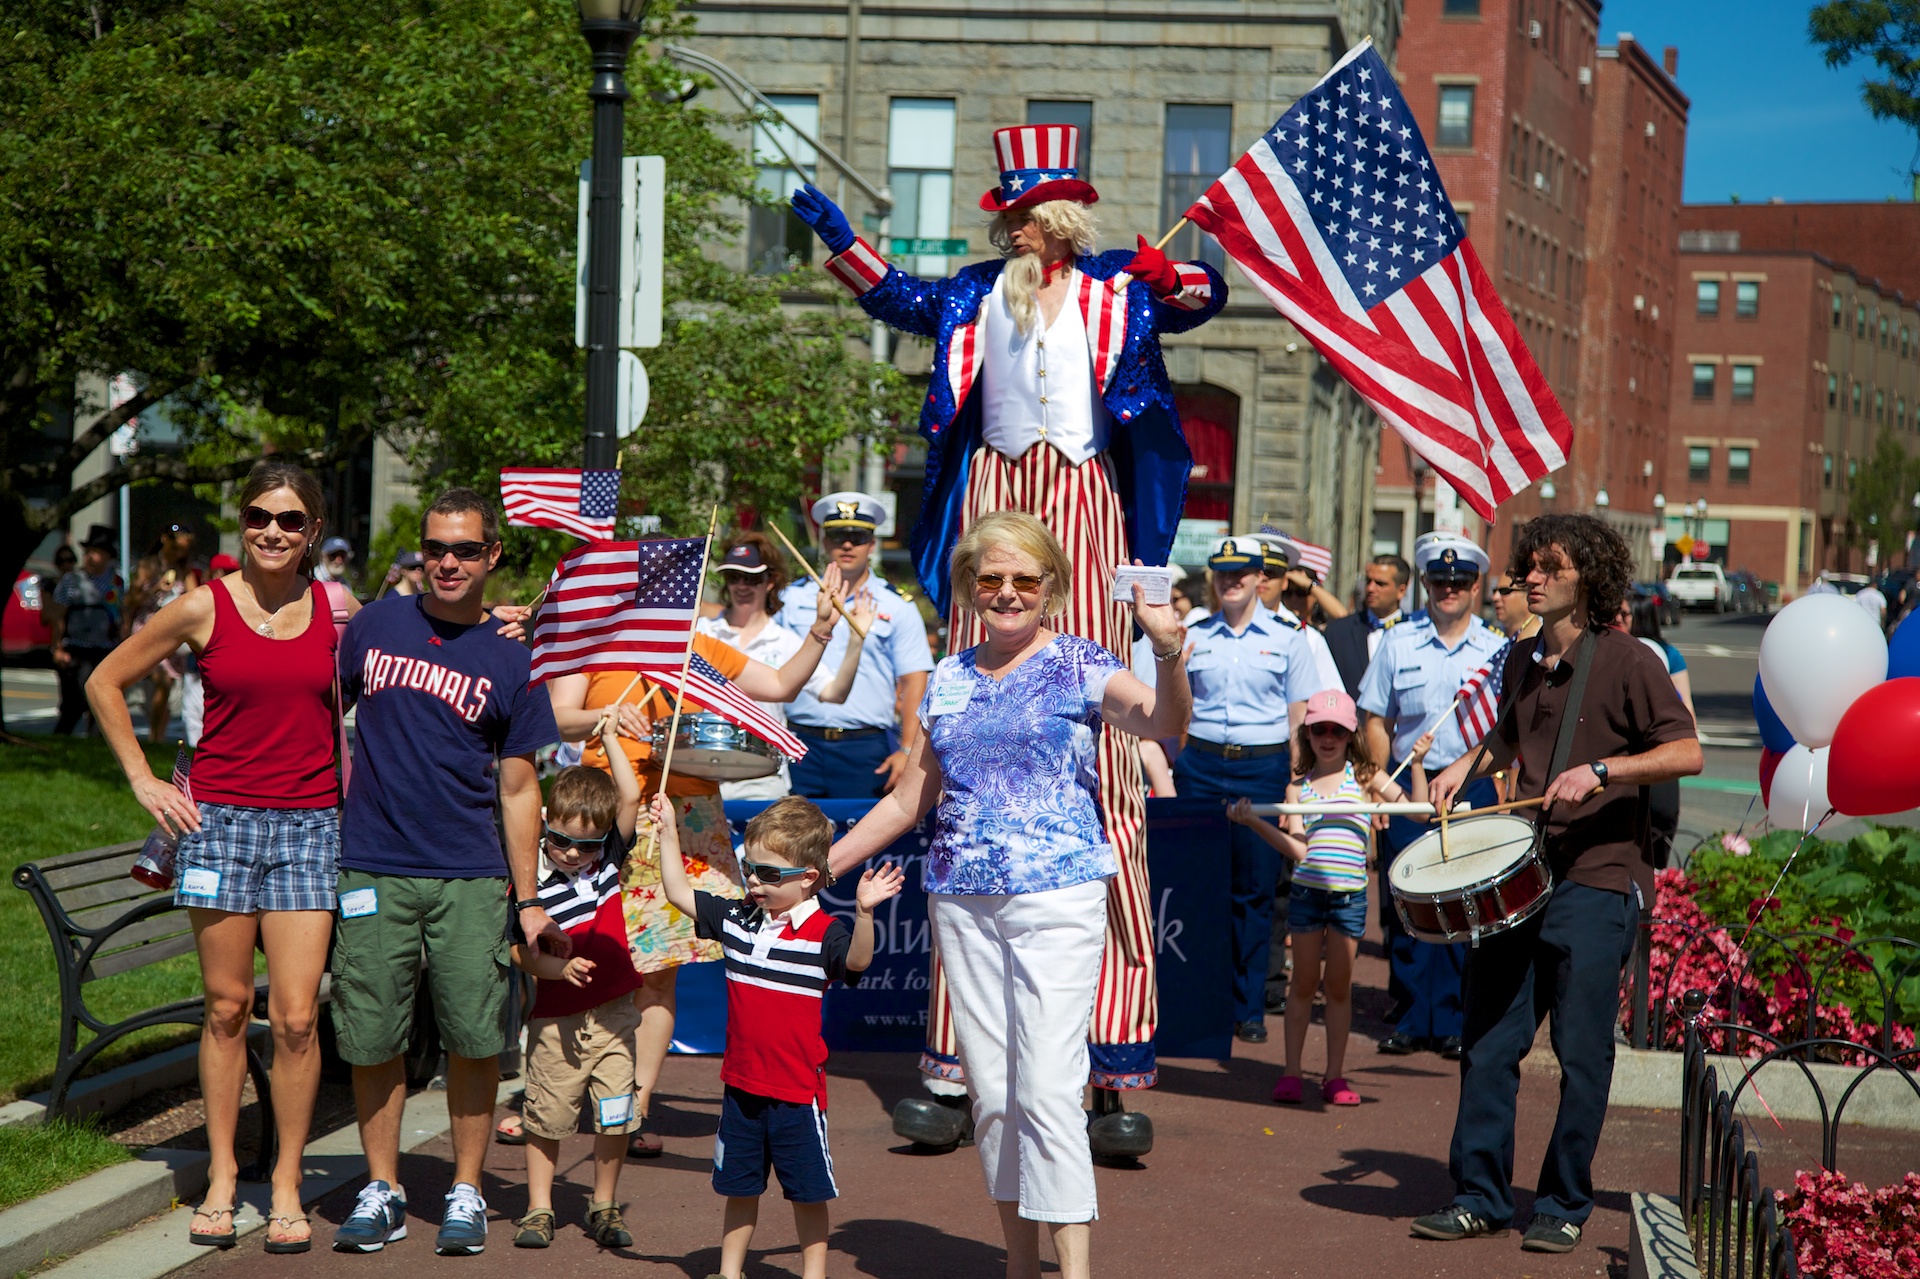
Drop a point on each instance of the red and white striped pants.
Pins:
(1079, 506)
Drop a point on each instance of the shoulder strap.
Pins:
(336, 594)
(1576, 694)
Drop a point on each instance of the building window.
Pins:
(1833, 390)
(1900, 412)
(1077, 114)
(1199, 149)
(1515, 146)
(1706, 298)
(1743, 382)
(1456, 115)
(1739, 465)
(1880, 407)
(1856, 399)
(1837, 310)
(1699, 464)
(1746, 299)
(1826, 471)
(1853, 470)
(1883, 331)
(1466, 219)
(778, 242)
(1703, 375)
(1905, 334)
(1461, 8)
(920, 171)
(1859, 321)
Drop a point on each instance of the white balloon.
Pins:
(1819, 653)
(1798, 797)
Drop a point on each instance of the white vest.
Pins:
(1039, 385)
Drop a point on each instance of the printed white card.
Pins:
(1156, 584)
(361, 901)
(952, 696)
(200, 882)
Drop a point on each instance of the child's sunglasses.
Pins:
(567, 843)
(770, 874)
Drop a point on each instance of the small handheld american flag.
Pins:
(1337, 215)
(582, 503)
(1478, 702)
(707, 688)
(1316, 559)
(619, 606)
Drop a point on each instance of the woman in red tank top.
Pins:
(260, 837)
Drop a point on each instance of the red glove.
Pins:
(1151, 267)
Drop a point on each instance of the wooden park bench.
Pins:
(103, 922)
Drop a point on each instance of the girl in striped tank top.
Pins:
(1327, 908)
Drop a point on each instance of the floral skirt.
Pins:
(659, 936)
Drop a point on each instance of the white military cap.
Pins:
(849, 509)
(1445, 555)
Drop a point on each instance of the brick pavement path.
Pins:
(1236, 1186)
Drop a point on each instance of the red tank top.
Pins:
(268, 740)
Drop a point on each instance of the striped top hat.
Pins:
(1038, 162)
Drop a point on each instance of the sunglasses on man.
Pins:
(465, 551)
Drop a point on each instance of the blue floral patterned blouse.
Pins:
(1018, 765)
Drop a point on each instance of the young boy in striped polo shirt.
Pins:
(781, 951)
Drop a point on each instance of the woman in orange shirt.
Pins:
(661, 937)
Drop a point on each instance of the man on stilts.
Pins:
(1048, 395)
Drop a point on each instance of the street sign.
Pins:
(928, 248)
(642, 221)
(1701, 550)
(634, 393)
(1684, 544)
(1657, 539)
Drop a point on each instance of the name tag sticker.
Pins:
(951, 696)
(361, 901)
(200, 883)
(1156, 584)
(615, 1111)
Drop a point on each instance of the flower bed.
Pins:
(1842, 1230)
(1818, 959)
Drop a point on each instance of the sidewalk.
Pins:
(1236, 1186)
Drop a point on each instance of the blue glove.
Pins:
(824, 216)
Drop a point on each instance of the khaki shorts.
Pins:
(587, 1055)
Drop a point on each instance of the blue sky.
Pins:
(1768, 117)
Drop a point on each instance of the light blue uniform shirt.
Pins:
(896, 645)
(1242, 684)
(1414, 677)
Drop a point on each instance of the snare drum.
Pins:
(715, 749)
(1493, 878)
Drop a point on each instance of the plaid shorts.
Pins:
(244, 860)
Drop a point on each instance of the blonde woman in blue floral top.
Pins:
(1019, 863)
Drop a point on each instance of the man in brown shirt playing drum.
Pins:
(1631, 731)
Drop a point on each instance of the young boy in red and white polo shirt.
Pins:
(781, 951)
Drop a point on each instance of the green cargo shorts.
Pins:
(389, 926)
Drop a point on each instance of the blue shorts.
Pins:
(1309, 910)
(244, 860)
(788, 1137)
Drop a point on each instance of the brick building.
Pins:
(1166, 96)
(1880, 241)
(1788, 366)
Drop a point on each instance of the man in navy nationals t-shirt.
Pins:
(446, 722)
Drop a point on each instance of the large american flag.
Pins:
(1337, 215)
(619, 606)
(1477, 704)
(582, 503)
(706, 687)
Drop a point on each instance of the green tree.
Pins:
(1880, 497)
(301, 222)
(1887, 33)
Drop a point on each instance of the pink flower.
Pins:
(1736, 844)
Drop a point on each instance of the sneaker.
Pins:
(1456, 1222)
(463, 1231)
(1550, 1234)
(535, 1230)
(379, 1217)
(608, 1227)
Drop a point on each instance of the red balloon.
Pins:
(1769, 764)
(1874, 767)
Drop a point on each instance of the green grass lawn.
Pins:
(36, 1158)
(61, 795)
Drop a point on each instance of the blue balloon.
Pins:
(1773, 734)
(1903, 649)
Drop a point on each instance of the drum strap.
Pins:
(1576, 694)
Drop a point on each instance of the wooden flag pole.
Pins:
(839, 605)
(686, 661)
(1170, 234)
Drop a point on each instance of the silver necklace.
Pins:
(266, 628)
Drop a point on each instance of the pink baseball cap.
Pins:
(1333, 707)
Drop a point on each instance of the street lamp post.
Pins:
(610, 28)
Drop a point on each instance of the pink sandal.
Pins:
(1336, 1093)
(1286, 1090)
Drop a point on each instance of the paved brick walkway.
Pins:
(1236, 1186)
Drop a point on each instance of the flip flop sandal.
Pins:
(207, 1239)
(286, 1247)
(1335, 1092)
(1286, 1090)
(515, 1136)
(644, 1144)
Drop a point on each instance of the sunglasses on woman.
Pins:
(1025, 583)
(567, 843)
(767, 873)
(258, 517)
(1325, 729)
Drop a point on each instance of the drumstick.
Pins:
(1443, 835)
(1506, 808)
(839, 606)
(600, 725)
(1404, 808)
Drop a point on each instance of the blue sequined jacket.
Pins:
(1124, 320)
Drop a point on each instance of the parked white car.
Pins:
(1701, 586)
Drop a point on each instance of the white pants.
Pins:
(1021, 972)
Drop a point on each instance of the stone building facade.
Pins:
(1167, 94)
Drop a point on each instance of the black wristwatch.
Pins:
(1599, 767)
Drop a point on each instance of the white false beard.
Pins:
(1023, 277)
